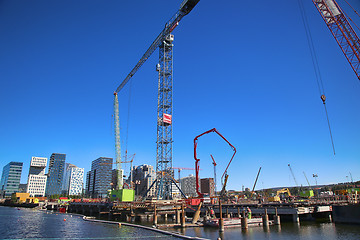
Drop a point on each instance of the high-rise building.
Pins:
(188, 185)
(207, 186)
(99, 178)
(143, 176)
(36, 184)
(10, 178)
(114, 179)
(73, 180)
(55, 174)
(87, 184)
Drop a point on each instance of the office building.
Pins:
(143, 176)
(73, 180)
(55, 174)
(87, 184)
(10, 178)
(36, 184)
(99, 178)
(188, 185)
(207, 186)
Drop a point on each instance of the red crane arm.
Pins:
(197, 166)
(214, 163)
(342, 31)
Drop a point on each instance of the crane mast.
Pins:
(342, 31)
(117, 144)
(164, 116)
(214, 163)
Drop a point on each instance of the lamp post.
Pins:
(315, 176)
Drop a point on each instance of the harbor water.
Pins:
(287, 231)
(25, 223)
(34, 224)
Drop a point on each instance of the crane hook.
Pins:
(323, 98)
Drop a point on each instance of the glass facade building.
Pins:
(55, 174)
(99, 178)
(10, 179)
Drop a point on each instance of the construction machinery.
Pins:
(164, 41)
(307, 193)
(214, 163)
(180, 169)
(197, 160)
(223, 193)
(342, 31)
(277, 198)
(257, 176)
(292, 173)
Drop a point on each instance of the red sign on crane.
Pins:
(167, 118)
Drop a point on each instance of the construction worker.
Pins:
(248, 213)
(212, 213)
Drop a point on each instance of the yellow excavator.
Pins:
(276, 198)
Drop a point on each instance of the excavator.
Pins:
(276, 198)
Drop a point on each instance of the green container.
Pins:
(307, 193)
(122, 195)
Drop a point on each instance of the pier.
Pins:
(172, 214)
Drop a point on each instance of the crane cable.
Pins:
(315, 65)
(127, 128)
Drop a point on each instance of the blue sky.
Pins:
(243, 67)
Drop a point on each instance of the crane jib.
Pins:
(185, 8)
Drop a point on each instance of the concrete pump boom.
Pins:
(197, 167)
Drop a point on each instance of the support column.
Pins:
(276, 218)
(182, 215)
(155, 215)
(221, 220)
(296, 218)
(266, 219)
(244, 224)
(177, 216)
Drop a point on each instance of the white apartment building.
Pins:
(36, 184)
(188, 185)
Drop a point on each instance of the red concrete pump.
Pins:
(197, 166)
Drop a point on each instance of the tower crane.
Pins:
(164, 117)
(342, 31)
(182, 168)
(214, 163)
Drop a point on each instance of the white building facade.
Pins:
(36, 184)
(73, 180)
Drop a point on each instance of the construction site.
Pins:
(213, 204)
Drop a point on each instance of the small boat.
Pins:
(233, 222)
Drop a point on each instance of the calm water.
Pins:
(304, 231)
(34, 224)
